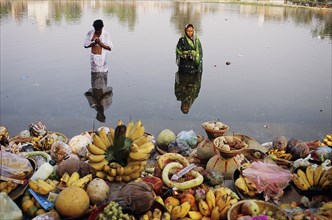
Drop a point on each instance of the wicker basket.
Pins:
(212, 134)
(229, 154)
(278, 213)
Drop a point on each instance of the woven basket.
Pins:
(229, 154)
(278, 213)
(212, 134)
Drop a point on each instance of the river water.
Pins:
(278, 81)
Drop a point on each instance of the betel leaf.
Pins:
(121, 147)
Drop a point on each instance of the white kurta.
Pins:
(99, 61)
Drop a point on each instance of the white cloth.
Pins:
(99, 61)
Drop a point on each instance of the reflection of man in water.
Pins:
(99, 96)
(187, 88)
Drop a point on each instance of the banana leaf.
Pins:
(120, 150)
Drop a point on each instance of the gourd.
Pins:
(198, 180)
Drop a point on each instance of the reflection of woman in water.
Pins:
(189, 52)
(99, 96)
(187, 88)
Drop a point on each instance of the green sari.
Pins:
(189, 54)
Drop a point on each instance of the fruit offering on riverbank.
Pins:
(121, 153)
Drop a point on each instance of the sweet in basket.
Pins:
(229, 145)
(215, 129)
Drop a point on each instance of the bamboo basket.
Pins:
(278, 213)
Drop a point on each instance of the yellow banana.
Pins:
(133, 147)
(33, 185)
(141, 140)
(317, 174)
(119, 171)
(73, 177)
(103, 136)
(82, 181)
(166, 216)
(44, 186)
(169, 207)
(118, 179)
(138, 132)
(97, 141)
(101, 174)
(300, 184)
(223, 213)
(251, 185)
(147, 147)
(176, 212)
(110, 136)
(211, 199)
(221, 202)
(135, 175)
(160, 200)
(110, 178)
(204, 208)
(126, 179)
(309, 172)
(93, 149)
(51, 182)
(98, 166)
(137, 124)
(185, 208)
(127, 170)
(130, 126)
(303, 177)
(325, 176)
(120, 122)
(327, 184)
(96, 158)
(139, 156)
(241, 184)
(65, 177)
(215, 215)
(195, 215)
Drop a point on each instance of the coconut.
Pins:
(98, 190)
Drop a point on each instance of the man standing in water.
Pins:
(100, 42)
(99, 96)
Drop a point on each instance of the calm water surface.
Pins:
(278, 82)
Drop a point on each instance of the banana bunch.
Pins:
(313, 177)
(156, 214)
(101, 148)
(217, 203)
(328, 140)
(326, 210)
(75, 180)
(116, 172)
(246, 186)
(7, 186)
(43, 187)
(178, 209)
(44, 143)
(275, 152)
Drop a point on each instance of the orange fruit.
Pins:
(26, 205)
(24, 198)
(32, 211)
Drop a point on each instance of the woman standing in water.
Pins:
(189, 52)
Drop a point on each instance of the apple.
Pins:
(250, 207)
